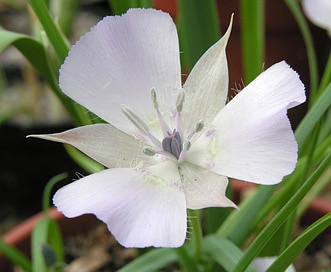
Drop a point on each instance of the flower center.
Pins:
(172, 144)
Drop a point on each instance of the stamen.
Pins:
(164, 127)
(198, 127)
(154, 99)
(154, 140)
(134, 118)
(140, 124)
(149, 151)
(187, 145)
(180, 100)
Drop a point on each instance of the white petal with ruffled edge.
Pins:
(319, 12)
(141, 207)
(204, 188)
(119, 61)
(105, 144)
(207, 85)
(251, 138)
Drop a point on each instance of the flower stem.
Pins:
(196, 235)
(294, 7)
(253, 38)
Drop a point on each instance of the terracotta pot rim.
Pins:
(23, 230)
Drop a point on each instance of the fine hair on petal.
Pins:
(238, 87)
(79, 175)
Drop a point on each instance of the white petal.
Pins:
(251, 138)
(318, 11)
(207, 85)
(103, 143)
(119, 61)
(204, 188)
(141, 207)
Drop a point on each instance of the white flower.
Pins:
(319, 12)
(168, 147)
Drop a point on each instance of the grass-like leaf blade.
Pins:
(15, 256)
(278, 220)
(223, 251)
(152, 261)
(305, 238)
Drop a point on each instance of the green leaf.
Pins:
(61, 48)
(35, 53)
(151, 261)
(325, 130)
(321, 185)
(186, 260)
(47, 191)
(46, 235)
(90, 165)
(278, 220)
(121, 6)
(55, 240)
(313, 116)
(31, 49)
(53, 33)
(15, 256)
(215, 217)
(45, 232)
(65, 11)
(223, 251)
(252, 35)
(326, 78)
(305, 238)
(312, 59)
(197, 35)
(39, 238)
(232, 228)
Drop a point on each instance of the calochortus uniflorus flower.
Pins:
(168, 147)
(319, 12)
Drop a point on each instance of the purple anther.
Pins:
(173, 144)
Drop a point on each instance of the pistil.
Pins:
(173, 144)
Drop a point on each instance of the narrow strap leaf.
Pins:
(305, 238)
(53, 33)
(121, 6)
(196, 36)
(313, 116)
(31, 49)
(265, 235)
(311, 53)
(34, 52)
(152, 261)
(232, 228)
(252, 34)
(15, 256)
(223, 251)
